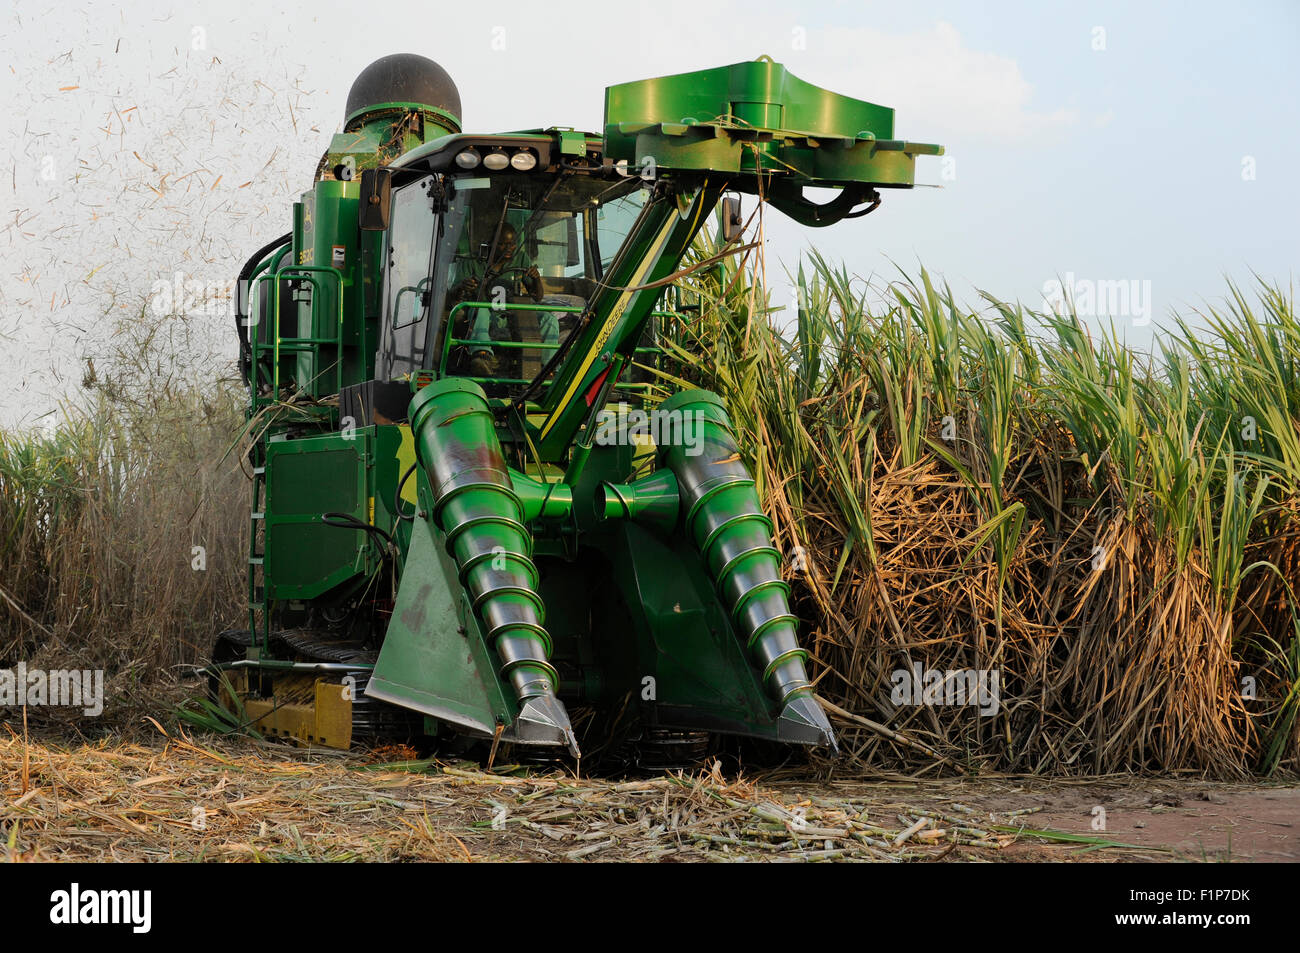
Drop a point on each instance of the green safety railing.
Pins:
(292, 344)
(449, 341)
(317, 277)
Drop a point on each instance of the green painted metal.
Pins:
(681, 638)
(316, 337)
(724, 519)
(757, 117)
(652, 501)
(476, 507)
(697, 129)
(544, 562)
(541, 499)
(375, 136)
(433, 659)
(758, 94)
(620, 310)
(450, 341)
(303, 556)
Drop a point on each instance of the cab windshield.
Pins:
(522, 257)
(489, 286)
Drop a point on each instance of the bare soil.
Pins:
(1188, 819)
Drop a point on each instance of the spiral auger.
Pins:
(725, 521)
(482, 517)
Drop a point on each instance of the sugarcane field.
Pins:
(380, 488)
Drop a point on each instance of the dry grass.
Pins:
(215, 800)
(100, 517)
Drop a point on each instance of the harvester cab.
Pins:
(458, 527)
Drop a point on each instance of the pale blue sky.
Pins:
(1115, 164)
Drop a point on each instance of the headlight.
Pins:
(467, 159)
(523, 161)
(496, 161)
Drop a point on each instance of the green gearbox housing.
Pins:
(458, 528)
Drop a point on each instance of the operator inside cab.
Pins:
(499, 281)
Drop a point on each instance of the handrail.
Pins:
(449, 341)
(422, 287)
(308, 272)
(254, 316)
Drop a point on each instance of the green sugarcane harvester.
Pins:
(454, 530)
